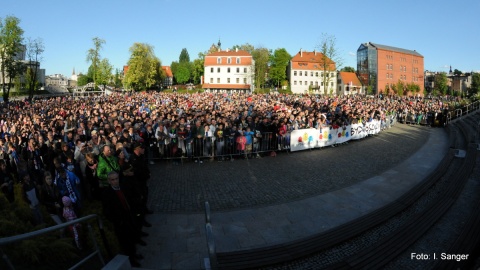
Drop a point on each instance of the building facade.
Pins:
(168, 80)
(380, 66)
(349, 84)
(229, 70)
(312, 72)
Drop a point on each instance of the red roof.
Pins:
(311, 60)
(168, 71)
(348, 77)
(246, 58)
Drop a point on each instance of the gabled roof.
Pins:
(311, 60)
(395, 49)
(348, 77)
(168, 71)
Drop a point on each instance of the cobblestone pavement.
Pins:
(285, 178)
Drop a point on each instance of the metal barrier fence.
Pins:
(226, 148)
(17, 238)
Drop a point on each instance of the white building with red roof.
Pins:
(349, 84)
(229, 70)
(312, 72)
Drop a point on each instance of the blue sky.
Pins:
(445, 33)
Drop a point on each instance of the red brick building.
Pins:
(381, 66)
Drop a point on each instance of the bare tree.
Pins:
(35, 48)
(331, 60)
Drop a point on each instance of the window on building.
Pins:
(316, 74)
(211, 70)
(388, 76)
(211, 80)
(238, 60)
(244, 70)
(316, 84)
(228, 70)
(229, 60)
(300, 73)
(332, 75)
(322, 84)
(228, 80)
(238, 70)
(219, 60)
(245, 80)
(218, 80)
(300, 82)
(295, 73)
(311, 73)
(218, 70)
(294, 82)
(321, 74)
(331, 84)
(237, 80)
(311, 83)
(387, 66)
(306, 83)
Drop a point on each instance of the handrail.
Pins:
(16, 238)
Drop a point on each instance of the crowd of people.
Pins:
(65, 150)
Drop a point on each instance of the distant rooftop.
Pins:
(391, 48)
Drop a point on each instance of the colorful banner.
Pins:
(303, 139)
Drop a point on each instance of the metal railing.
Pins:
(13, 239)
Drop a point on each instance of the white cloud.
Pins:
(352, 54)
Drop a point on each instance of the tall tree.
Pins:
(457, 72)
(331, 60)
(440, 83)
(182, 73)
(144, 68)
(475, 86)
(278, 66)
(198, 68)
(261, 56)
(35, 49)
(93, 56)
(104, 72)
(184, 56)
(11, 38)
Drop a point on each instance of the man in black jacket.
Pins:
(141, 175)
(117, 208)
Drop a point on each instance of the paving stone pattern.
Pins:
(285, 178)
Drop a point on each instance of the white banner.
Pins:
(303, 139)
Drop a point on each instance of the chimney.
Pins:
(315, 52)
(301, 53)
(236, 49)
(227, 49)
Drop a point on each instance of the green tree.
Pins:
(475, 86)
(144, 68)
(11, 38)
(348, 69)
(457, 72)
(182, 72)
(440, 83)
(413, 88)
(104, 72)
(331, 59)
(83, 80)
(261, 56)
(35, 49)
(198, 68)
(117, 80)
(93, 56)
(400, 88)
(184, 56)
(278, 66)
